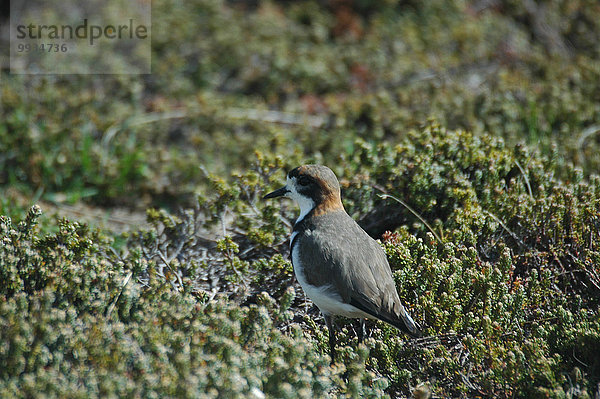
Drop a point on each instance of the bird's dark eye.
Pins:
(303, 180)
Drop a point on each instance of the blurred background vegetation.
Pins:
(482, 116)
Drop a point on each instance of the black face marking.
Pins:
(294, 172)
(309, 187)
(303, 180)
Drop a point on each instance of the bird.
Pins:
(339, 266)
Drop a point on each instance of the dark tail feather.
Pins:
(407, 325)
(403, 322)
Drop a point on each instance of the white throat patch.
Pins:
(306, 204)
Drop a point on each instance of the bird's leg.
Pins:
(362, 332)
(330, 327)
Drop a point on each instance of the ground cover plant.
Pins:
(465, 136)
(504, 280)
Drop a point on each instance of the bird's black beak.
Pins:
(277, 193)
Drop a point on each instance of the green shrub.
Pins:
(494, 243)
(496, 258)
(82, 321)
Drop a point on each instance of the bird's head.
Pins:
(311, 186)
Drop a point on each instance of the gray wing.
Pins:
(358, 268)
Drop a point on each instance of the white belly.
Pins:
(325, 297)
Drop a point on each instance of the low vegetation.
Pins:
(465, 137)
(504, 280)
